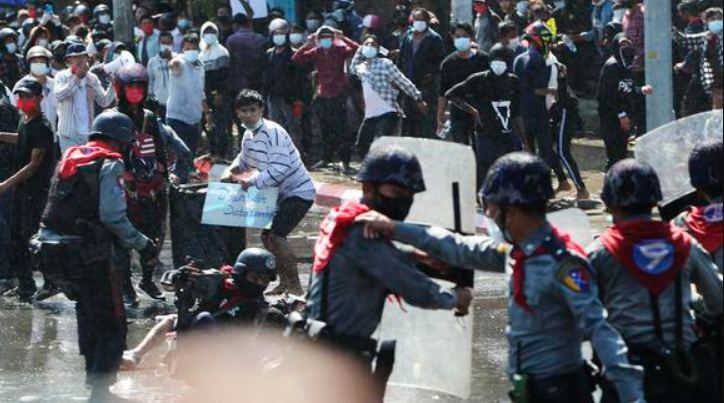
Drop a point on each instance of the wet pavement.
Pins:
(39, 360)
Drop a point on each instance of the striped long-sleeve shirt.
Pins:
(65, 88)
(271, 151)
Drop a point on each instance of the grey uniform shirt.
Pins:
(629, 303)
(362, 274)
(718, 255)
(112, 209)
(548, 337)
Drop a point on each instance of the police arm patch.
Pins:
(575, 275)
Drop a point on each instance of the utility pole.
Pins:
(659, 63)
(123, 21)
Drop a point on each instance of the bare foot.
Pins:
(583, 195)
(564, 187)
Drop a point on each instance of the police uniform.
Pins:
(645, 269)
(553, 302)
(710, 215)
(353, 276)
(86, 208)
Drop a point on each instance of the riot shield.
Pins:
(576, 223)
(424, 337)
(668, 148)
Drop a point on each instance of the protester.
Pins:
(215, 59)
(12, 66)
(159, 78)
(34, 165)
(76, 90)
(455, 69)
(328, 50)
(147, 46)
(39, 68)
(185, 108)
(267, 148)
(486, 25)
(421, 52)
(381, 85)
(247, 50)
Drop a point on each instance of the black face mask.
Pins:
(396, 208)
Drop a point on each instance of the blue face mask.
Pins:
(716, 26)
(369, 52)
(312, 25)
(326, 43)
(279, 40)
(462, 44)
(183, 24)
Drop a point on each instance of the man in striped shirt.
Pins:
(268, 149)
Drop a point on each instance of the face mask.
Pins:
(104, 19)
(716, 26)
(462, 44)
(369, 52)
(279, 40)
(498, 67)
(338, 15)
(480, 8)
(396, 208)
(494, 232)
(560, 5)
(211, 39)
(514, 43)
(147, 29)
(253, 127)
(312, 25)
(42, 42)
(135, 95)
(191, 55)
(166, 48)
(627, 56)
(326, 43)
(39, 69)
(420, 26)
(183, 24)
(27, 106)
(296, 39)
(618, 14)
(11, 47)
(522, 8)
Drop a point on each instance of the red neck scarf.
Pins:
(653, 252)
(706, 226)
(334, 231)
(85, 154)
(546, 248)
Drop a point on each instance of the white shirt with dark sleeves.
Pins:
(271, 151)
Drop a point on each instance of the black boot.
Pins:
(148, 286)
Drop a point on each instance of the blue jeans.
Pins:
(190, 134)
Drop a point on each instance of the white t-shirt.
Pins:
(374, 104)
(82, 110)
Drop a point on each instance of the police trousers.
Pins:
(84, 273)
(569, 388)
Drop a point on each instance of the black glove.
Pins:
(149, 252)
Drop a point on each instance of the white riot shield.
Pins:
(668, 148)
(427, 338)
(575, 222)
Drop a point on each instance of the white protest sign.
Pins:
(258, 6)
(227, 205)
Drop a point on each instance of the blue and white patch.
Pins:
(654, 256)
(714, 213)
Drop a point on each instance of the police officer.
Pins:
(353, 276)
(645, 269)
(492, 98)
(86, 208)
(553, 303)
(707, 177)
(147, 177)
(239, 299)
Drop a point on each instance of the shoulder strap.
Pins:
(679, 300)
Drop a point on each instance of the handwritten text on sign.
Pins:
(227, 205)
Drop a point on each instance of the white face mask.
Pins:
(104, 19)
(211, 39)
(166, 48)
(254, 127)
(514, 43)
(419, 26)
(369, 52)
(191, 55)
(42, 42)
(39, 69)
(522, 8)
(498, 67)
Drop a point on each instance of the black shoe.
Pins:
(150, 289)
(45, 293)
(323, 164)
